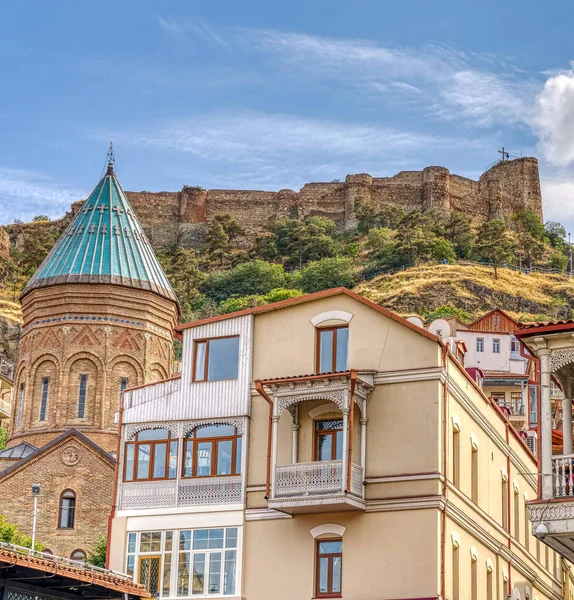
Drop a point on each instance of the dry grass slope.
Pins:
(473, 289)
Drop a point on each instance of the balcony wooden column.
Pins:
(345, 452)
(545, 423)
(295, 435)
(274, 427)
(567, 418)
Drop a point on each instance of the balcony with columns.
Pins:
(317, 441)
(552, 514)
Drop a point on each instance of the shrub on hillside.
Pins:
(328, 273)
(250, 278)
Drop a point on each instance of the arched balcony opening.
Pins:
(318, 441)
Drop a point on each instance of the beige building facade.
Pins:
(324, 447)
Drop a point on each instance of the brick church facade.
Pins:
(98, 317)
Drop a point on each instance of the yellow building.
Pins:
(323, 447)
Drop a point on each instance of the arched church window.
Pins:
(44, 399)
(151, 455)
(67, 514)
(82, 393)
(211, 451)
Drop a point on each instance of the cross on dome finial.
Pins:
(111, 160)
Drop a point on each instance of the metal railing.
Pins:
(59, 560)
(201, 491)
(315, 479)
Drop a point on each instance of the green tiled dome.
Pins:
(104, 243)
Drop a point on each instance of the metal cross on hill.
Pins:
(505, 155)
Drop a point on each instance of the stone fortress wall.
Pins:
(171, 218)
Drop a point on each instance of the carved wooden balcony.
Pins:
(316, 486)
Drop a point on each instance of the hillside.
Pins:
(473, 289)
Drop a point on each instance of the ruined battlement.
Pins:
(181, 217)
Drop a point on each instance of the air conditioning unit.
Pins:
(532, 442)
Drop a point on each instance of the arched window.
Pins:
(82, 393)
(67, 510)
(211, 451)
(78, 554)
(151, 455)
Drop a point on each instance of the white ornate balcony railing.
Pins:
(190, 492)
(211, 490)
(315, 478)
(563, 476)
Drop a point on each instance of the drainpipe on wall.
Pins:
(444, 473)
(508, 509)
(261, 391)
(116, 476)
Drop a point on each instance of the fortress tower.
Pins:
(98, 317)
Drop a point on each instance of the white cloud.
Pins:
(194, 26)
(33, 194)
(487, 98)
(258, 138)
(558, 196)
(553, 119)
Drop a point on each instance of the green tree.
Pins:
(366, 215)
(217, 242)
(458, 231)
(251, 278)
(3, 438)
(97, 555)
(230, 226)
(10, 534)
(182, 270)
(530, 236)
(445, 311)
(276, 295)
(559, 261)
(302, 241)
(38, 218)
(328, 273)
(494, 244)
(555, 233)
(265, 247)
(35, 247)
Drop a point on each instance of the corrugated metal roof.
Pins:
(104, 243)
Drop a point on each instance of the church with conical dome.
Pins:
(98, 315)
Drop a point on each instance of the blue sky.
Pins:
(268, 95)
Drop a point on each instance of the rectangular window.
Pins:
(20, 406)
(504, 503)
(456, 458)
(212, 451)
(44, 400)
(82, 391)
(496, 346)
(514, 345)
(474, 476)
(474, 580)
(499, 397)
(480, 344)
(516, 516)
(455, 574)
(329, 440)
(496, 320)
(152, 454)
(489, 586)
(517, 404)
(123, 384)
(216, 359)
(332, 349)
(328, 569)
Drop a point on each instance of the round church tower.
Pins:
(98, 317)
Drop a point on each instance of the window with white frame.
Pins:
(186, 563)
(480, 344)
(496, 346)
(514, 345)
